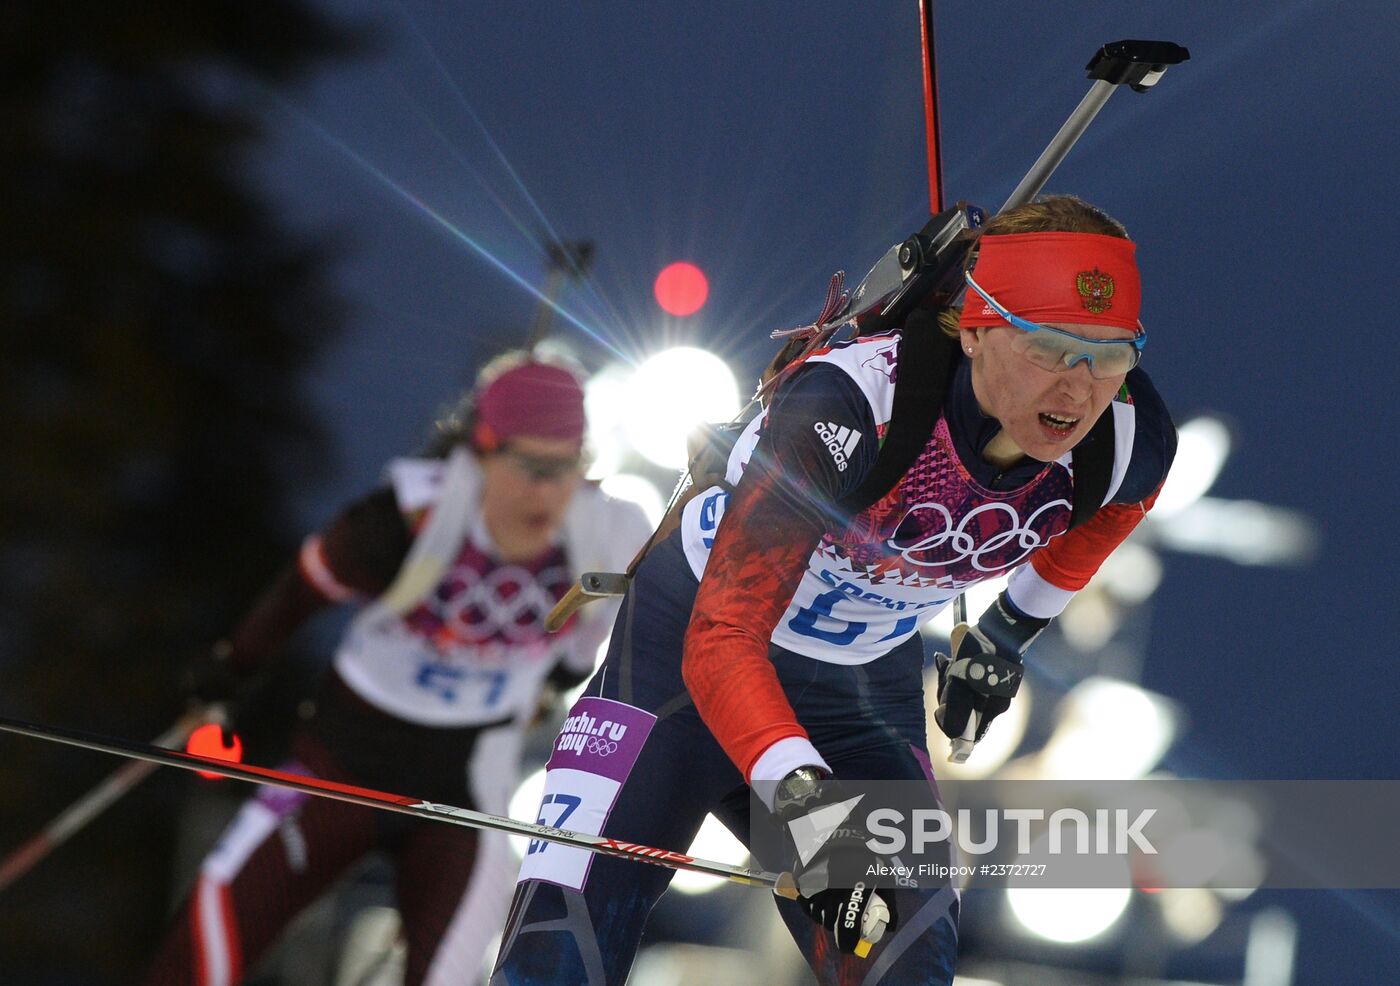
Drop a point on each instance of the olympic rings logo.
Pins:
(601, 747)
(961, 545)
(509, 602)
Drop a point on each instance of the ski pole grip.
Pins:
(872, 926)
(961, 747)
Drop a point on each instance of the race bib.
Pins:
(593, 755)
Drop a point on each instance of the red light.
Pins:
(681, 288)
(208, 741)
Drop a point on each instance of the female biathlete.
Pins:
(455, 563)
(772, 640)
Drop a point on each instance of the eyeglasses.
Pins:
(543, 468)
(1058, 350)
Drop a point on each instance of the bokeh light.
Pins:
(681, 288)
(716, 843)
(605, 402)
(1108, 730)
(638, 490)
(1203, 445)
(1068, 914)
(670, 394)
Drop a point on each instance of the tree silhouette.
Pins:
(155, 320)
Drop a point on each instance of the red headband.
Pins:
(534, 399)
(1087, 278)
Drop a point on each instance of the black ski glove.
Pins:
(835, 890)
(212, 683)
(211, 679)
(986, 668)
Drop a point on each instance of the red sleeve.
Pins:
(760, 554)
(772, 523)
(1069, 562)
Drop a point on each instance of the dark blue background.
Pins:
(774, 143)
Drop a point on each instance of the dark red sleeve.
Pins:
(355, 557)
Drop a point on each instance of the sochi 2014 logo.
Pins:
(583, 733)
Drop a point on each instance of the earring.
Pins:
(969, 350)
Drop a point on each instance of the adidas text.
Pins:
(853, 905)
(840, 442)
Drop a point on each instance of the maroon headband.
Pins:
(538, 400)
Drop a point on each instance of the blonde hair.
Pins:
(1050, 214)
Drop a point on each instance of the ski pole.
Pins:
(932, 131)
(782, 884)
(77, 815)
(961, 747)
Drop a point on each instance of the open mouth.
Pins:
(1057, 424)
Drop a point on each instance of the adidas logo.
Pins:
(840, 442)
(853, 905)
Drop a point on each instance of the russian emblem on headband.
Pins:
(1095, 290)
